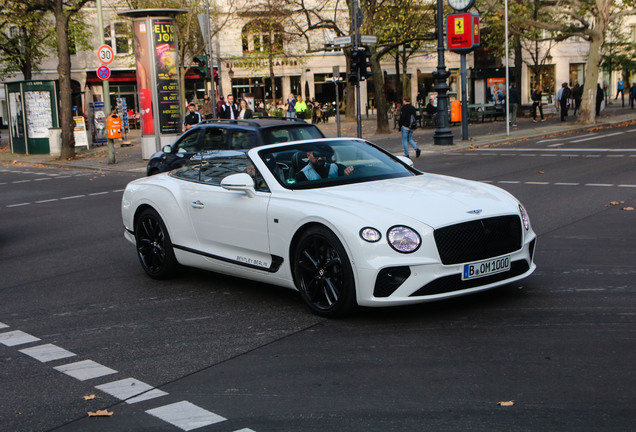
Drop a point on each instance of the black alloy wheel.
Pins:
(154, 247)
(323, 273)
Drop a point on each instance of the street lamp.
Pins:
(231, 75)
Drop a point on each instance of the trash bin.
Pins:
(55, 142)
(456, 111)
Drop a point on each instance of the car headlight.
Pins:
(403, 239)
(524, 217)
(369, 234)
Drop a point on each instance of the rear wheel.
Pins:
(154, 247)
(323, 273)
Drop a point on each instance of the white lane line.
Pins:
(85, 370)
(3, 325)
(47, 201)
(627, 185)
(558, 150)
(528, 154)
(597, 137)
(72, 197)
(98, 193)
(118, 190)
(47, 352)
(599, 184)
(127, 388)
(21, 181)
(553, 145)
(18, 205)
(185, 415)
(17, 337)
(509, 182)
(548, 155)
(42, 179)
(537, 183)
(567, 184)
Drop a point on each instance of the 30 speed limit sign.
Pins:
(105, 54)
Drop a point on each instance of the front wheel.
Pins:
(154, 247)
(323, 273)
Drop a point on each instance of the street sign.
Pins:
(103, 72)
(460, 31)
(367, 39)
(342, 40)
(105, 54)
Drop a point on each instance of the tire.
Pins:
(323, 273)
(154, 247)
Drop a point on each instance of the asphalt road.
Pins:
(247, 356)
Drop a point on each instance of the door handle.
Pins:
(198, 204)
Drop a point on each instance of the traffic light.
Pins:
(216, 75)
(202, 65)
(354, 66)
(365, 63)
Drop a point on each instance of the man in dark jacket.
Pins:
(513, 101)
(563, 97)
(407, 117)
(192, 118)
(230, 109)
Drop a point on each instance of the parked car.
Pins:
(223, 134)
(340, 220)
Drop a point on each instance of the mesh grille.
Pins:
(478, 240)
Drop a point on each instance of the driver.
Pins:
(318, 167)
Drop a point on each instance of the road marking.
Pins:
(47, 201)
(3, 325)
(537, 183)
(18, 205)
(567, 184)
(597, 137)
(20, 181)
(16, 337)
(47, 352)
(186, 415)
(72, 197)
(97, 193)
(85, 370)
(128, 388)
(553, 145)
(627, 185)
(557, 150)
(599, 184)
(43, 178)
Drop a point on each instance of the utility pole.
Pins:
(356, 19)
(105, 83)
(443, 134)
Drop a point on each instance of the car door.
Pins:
(182, 150)
(230, 226)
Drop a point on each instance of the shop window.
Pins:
(546, 78)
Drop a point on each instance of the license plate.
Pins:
(486, 268)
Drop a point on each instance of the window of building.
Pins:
(577, 73)
(257, 36)
(117, 35)
(545, 78)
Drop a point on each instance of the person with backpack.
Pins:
(408, 123)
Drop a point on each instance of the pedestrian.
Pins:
(300, 106)
(619, 89)
(206, 108)
(230, 110)
(193, 117)
(244, 110)
(261, 109)
(219, 106)
(563, 98)
(290, 106)
(513, 100)
(420, 99)
(408, 123)
(577, 94)
(537, 103)
(600, 95)
(632, 95)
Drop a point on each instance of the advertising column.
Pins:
(157, 77)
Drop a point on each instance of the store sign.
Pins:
(463, 31)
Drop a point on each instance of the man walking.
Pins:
(513, 101)
(230, 109)
(563, 97)
(407, 124)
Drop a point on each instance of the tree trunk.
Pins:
(588, 102)
(382, 120)
(66, 95)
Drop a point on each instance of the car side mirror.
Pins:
(167, 149)
(241, 182)
(406, 160)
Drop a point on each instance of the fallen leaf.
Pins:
(615, 203)
(628, 208)
(507, 403)
(91, 397)
(541, 172)
(100, 413)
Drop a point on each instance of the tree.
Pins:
(62, 11)
(24, 38)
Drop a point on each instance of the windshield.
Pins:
(285, 133)
(325, 163)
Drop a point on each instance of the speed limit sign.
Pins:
(105, 54)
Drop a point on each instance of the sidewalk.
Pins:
(128, 158)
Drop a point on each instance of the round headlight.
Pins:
(403, 239)
(524, 217)
(371, 235)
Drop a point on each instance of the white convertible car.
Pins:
(340, 220)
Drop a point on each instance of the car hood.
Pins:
(434, 200)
